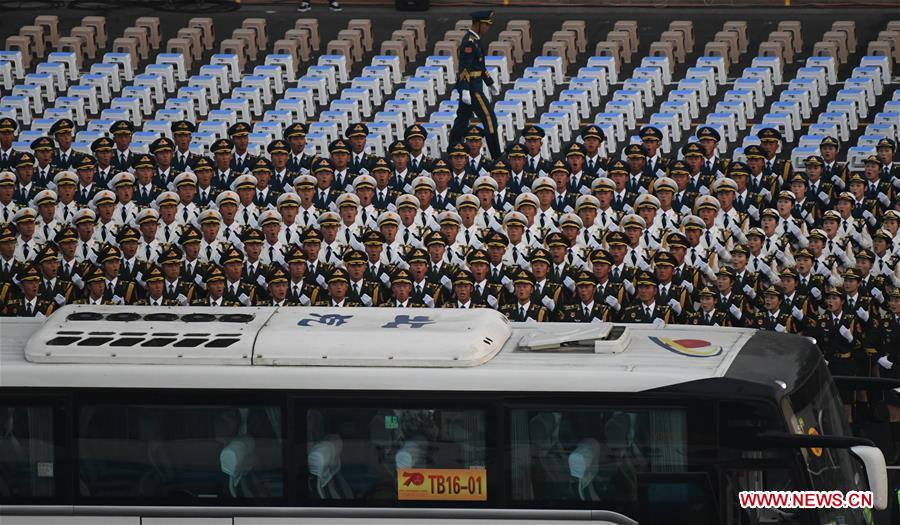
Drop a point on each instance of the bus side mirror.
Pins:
(876, 472)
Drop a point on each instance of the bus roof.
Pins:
(363, 349)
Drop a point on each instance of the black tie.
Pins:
(708, 318)
(522, 313)
(28, 311)
(418, 289)
(530, 164)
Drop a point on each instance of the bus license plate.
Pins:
(442, 484)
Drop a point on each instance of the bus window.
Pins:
(360, 453)
(180, 452)
(594, 455)
(26, 452)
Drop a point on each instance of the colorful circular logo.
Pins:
(688, 347)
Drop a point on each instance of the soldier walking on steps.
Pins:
(471, 82)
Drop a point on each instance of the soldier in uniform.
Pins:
(8, 129)
(122, 132)
(607, 292)
(175, 288)
(300, 291)
(670, 294)
(731, 302)
(28, 302)
(886, 149)
(839, 335)
(182, 134)
(593, 137)
(65, 156)
(362, 289)
(360, 162)
(214, 279)
(241, 160)
(163, 151)
(26, 186)
(401, 292)
(278, 288)
(586, 309)
(834, 172)
(236, 290)
(118, 289)
(52, 287)
(298, 161)
(341, 175)
(94, 288)
(338, 288)
(154, 284)
(102, 149)
(431, 294)
(523, 309)
(709, 139)
(656, 164)
(760, 182)
(772, 317)
(646, 310)
(463, 286)
(471, 80)
(770, 139)
(415, 136)
(793, 302)
(708, 314)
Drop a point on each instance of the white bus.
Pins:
(275, 416)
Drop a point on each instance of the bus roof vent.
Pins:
(82, 334)
(594, 338)
(381, 337)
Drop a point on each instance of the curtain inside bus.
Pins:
(26, 452)
(593, 455)
(165, 452)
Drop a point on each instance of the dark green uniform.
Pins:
(473, 77)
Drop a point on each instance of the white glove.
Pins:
(780, 328)
(466, 97)
(793, 228)
(838, 183)
(244, 299)
(824, 198)
(735, 311)
(659, 323)
(508, 284)
(76, 280)
(885, 362)
(495, 89)
(854, 233)
(749, 291)
(753, 211)
(877, 295)
(629, 288)
(675, 306)
(837, 250)
(548, 302)
(767, 271)
(60, 300)
(883, 199)
(862, 314)
(815, 293)
(642, 264)
(896, 182)
(798, 315)
(867, 215)
(688, 286)
(117, 300)
(182, 300)
(611, 301)
(735, 229)
(844, 331)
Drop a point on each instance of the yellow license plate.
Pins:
(442, 484)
